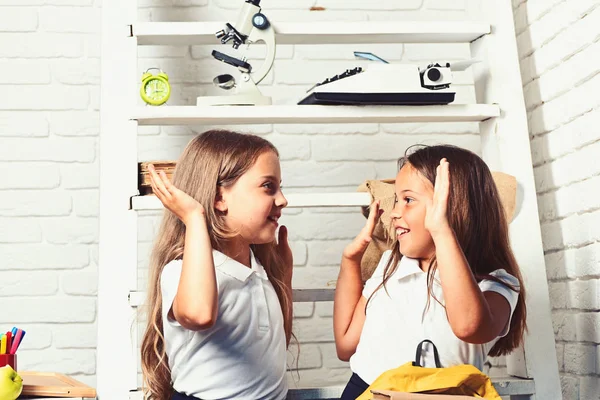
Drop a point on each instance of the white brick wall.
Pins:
(49, 61)
(558, 47)
(49, 124)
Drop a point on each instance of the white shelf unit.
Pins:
(511, 387)
(136, 298)
(355, 32)
(295, 200)
(313, 114)
(505, 147)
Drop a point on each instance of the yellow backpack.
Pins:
(411, 377)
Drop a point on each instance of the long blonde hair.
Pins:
(476, 215)
(216, 158)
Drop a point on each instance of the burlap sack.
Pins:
(381, 239)
(383, 190)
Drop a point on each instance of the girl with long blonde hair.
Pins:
(219, 298)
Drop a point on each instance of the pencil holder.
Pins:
(8, 359)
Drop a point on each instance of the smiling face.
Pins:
(253, 204)
(413, 192)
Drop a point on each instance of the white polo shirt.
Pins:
(395, 324)
(243, 356)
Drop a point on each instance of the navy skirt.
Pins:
(179, 396)
(355, 387)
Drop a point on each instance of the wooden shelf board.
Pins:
(295, 200)
(137, 298)
(311, 114)
(505, 386)
(350, 32)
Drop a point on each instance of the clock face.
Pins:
(156, 89)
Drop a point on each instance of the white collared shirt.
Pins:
(395, 323)
(243, 356)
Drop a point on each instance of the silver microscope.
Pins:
(251, 27)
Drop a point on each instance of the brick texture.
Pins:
(560, 82)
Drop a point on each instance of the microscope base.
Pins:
(234, 100)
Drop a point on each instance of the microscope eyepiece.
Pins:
(260, 21)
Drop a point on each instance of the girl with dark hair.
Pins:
(451, 276)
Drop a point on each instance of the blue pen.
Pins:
(14, 331)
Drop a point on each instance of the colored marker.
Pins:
(16, 341)
(20, 340)
(8, 340)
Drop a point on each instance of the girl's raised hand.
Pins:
(436, 219)
(356, 249)
(175, 200)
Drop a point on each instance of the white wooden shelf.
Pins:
(357, 32)
(311, 114)
(137, 298)
(505, 386)
(295, 200)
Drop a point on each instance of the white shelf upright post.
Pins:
(505, 147)
(116, 356)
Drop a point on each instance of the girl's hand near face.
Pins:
(178, 202)
(195, 305)
(356, 249)
(349, 303)
(436, 218)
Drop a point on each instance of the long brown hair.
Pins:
(216, 158)
(476, 215)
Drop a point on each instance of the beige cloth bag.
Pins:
(383, 190)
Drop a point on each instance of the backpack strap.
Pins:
(436, 356)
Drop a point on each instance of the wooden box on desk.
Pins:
(144, 176)
(392, 395)
(50, 384)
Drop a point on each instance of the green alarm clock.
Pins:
(155, 89)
